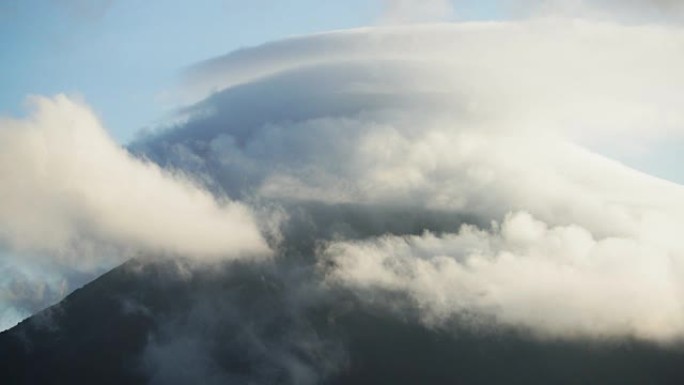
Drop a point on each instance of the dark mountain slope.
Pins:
(87, 338)
(175, 323)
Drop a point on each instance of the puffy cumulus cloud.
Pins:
(75, 203)
(555, 281)
(472, 121)
(64, 180)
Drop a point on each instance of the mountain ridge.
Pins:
(144, 319)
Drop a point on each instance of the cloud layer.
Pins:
(477, 121)
(64, 181)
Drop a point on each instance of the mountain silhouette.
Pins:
(174, 322)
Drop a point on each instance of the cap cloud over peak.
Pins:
(478, 121)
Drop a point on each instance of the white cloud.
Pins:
(555, 281)
(589, 79)
(475, 119)
(66, 184)
(481, 118)
(74, 204)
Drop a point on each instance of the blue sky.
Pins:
(120, 55)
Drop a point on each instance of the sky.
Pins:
(122, 56)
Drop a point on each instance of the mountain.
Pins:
(176, 322)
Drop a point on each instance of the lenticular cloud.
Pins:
(489, 122)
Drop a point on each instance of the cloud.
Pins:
(472, 121)
(454, 118)
(554, 281)
(65, 180)
(487, 66)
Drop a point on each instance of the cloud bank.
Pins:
(490, 121)
(73, 201)
(552, 281)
